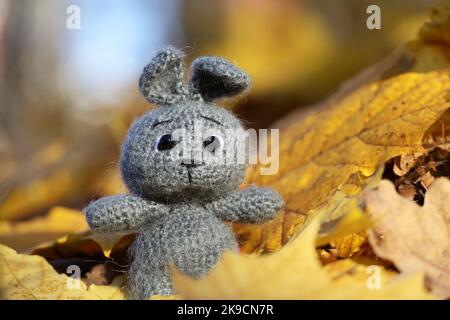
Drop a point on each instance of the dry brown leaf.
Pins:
(405, 162)
(427, 166)
(71, 245)
(88, 245)
(426, 180)
(25, 235)
(62, 233)
(321, 152)
(414, 238)
(291, 273)
(31, 277)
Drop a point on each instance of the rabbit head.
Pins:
(186, 148)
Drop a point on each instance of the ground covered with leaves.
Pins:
(365, 178)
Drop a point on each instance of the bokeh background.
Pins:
(68, 96)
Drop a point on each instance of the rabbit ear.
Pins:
(214, 77)
(161, 81)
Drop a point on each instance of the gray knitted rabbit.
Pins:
(180, 207)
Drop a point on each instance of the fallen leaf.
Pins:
(294, 272)
(348, 271)
(27, 234)
(99, 262)
(427, 166)
(322, 157)
(63, 172)
(414, 238)
(316, 159)
(353, 222)
(349, 245)
(408, 191)
(405, 162)
(427, 179)
(320, 153)
(31, 277)
(87, 243)
(344, 224)
(99, 274)
(68, 246)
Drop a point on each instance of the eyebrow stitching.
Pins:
(160, 122)
(211, 119)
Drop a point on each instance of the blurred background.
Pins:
(69, 71)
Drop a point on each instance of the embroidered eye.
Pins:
(165, 142)
(212, 143)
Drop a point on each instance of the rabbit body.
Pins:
(190, 237)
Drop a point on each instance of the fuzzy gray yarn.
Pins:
(180, 209)
(210, 75)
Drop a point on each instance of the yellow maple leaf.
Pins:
(23, 200)
(31, 277)
(346, 232)
(291, 273)
(30, 233)
(414, 238)
(352, 220)
(354, 135)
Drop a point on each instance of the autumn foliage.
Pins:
(365, 177)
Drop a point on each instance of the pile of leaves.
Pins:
(365, 178)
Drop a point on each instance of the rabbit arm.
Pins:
(121, 213)
(251, 205)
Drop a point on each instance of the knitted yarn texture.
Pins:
(180, 208)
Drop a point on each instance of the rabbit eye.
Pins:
(212, 143)
(165, 142)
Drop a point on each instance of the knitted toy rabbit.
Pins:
(180, 208)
